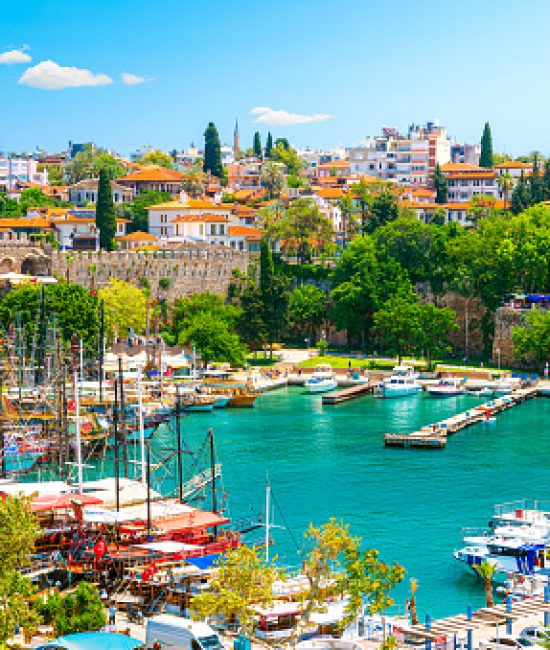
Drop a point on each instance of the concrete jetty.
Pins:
(348, 394)
(435, 435)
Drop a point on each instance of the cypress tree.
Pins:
(212, 151)
(440, 185)
(105, 218)
(521, 198)
(268, 145)
(486, 156)
(257, 145)
(536, 183)
(546, 181)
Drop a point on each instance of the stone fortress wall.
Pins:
(169, 273)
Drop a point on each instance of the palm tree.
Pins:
(505, 183)
(486, 570)
(412, 602)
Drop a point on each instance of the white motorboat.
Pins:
(503, 387)
(403, 382)
(447, 388)
(322, 379)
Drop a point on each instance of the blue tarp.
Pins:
(93, 641)
(203, 562)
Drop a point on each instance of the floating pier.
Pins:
(348, 394)
(435, 435)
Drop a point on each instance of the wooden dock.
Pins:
(482, 622)
(348, 394)
(435, 435)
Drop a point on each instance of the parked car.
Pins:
(534, 635)
(500, 643)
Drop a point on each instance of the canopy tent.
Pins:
(92, 641)
(168, 547)
(166, 508)
(204, 562)
(19, 278)
(198, 519)
(47, 502)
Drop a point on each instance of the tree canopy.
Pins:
(157, 158)
(125, 307)
(212, 151)
(486, 156)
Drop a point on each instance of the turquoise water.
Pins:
(329, 461)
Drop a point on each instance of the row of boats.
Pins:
(404, 381)
(516, 543)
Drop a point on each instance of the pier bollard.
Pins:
(428, 626)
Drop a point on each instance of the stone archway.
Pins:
(8, 265)
(35, 264)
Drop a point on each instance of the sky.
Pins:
(126, 73)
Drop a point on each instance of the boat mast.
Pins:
(117, 462)
(148, 443)
(2, 435)
(267, 514)
(213, 475)
(101, 344)
(178, 433)
(141, 426)
(123, 419)
(76, 381)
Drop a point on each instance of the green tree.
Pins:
(272, 177)
(243, 580)
(521, 197)
(336, 566)
(250, 323)
(307, 309)
(125, 307)
(383, 210)
(532, 340)
(89, 162)
(398, 326)
(306, 229)
(440, 185)
(157, 158)
(105, 217)
(268, 145)
(82, 611)
(275, 296)
(536, 183)
(283, 153)
(486, 571)
(138, 211)
(9, 208)
(436, 323)
(212, 152)
(486, 156)
(257, 147)
(505, 182)
(18, 532)
(348, 226)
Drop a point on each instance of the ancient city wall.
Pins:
(186, 270)
(505, 321)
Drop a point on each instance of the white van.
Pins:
(176, 633)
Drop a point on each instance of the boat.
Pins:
(403, 382)
(221, 401)
(322, 379)
(198, 403)
(503, 387)
(447, 388)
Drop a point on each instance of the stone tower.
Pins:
(236, 140)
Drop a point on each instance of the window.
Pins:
(212, 228)
(222, 229)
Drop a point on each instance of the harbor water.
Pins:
(329, 461)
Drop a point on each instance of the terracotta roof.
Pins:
(138, 236)
(247, 232)
(330, 193)
(461, 167)
(24, 222)
(204, 218)
(152, 174)
(471, 176)
(342, 164)
(191, 204)
(514, 164)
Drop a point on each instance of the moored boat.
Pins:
(446, 388)
(403, 382)
(322, 379)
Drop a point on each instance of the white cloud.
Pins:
(280, 117)
(131, 79)
(14, 56)
(49, 75)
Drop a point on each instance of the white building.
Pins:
(14, 170)
(465, 181)
(85, 191)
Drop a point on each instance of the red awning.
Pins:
(197, 519)
(61, 501)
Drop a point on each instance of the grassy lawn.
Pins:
(260, 362)
(343, 362)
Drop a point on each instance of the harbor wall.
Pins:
(505, 321)
(169, 274)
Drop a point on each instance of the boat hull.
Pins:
(242, 401)
(400, 392)
(321, 387)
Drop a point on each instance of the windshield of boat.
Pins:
(211, 642)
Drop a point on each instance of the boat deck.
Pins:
(348, 394)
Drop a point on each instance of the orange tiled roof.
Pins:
(341, 164)
(152, 174)
(191, 204)
(330, 193)
(514, 164)
(461, 167)
(24, 222)
(245, 231)
(138, 236)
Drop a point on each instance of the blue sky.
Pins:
(364, 63)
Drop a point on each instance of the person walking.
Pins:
(112, 614)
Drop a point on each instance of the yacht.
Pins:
(402, 382)
(503, 387)
(447, 388)
(322, 379)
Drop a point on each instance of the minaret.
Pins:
(236, 140)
